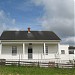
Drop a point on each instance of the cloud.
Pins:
(58, 17)
(6, 22)
(69, 40)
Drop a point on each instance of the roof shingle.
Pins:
(33, 35)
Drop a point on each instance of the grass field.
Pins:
(22, 70)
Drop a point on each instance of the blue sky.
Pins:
(51, 15)
(24, 12)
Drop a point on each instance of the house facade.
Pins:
(29, 45)
(34, 46)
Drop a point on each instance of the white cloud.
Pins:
(6, 22)
(69, 40)
(58, 17)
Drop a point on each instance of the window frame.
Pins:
(46, 49)
(63, 52)
(43, 49)
(14, 50)
(71, 51)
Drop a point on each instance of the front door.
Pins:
(30, 53)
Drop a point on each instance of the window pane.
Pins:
(14, 50)
(62, 51)
(43, 49)
(46, 50)
(71, 52)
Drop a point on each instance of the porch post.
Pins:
(44, 49)
(58, 54)
(23, 48)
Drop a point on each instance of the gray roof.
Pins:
(33, 35)
(71, 47)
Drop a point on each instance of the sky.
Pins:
(40, 15)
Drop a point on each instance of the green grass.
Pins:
(22, 70)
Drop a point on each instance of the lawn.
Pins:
(23, 70)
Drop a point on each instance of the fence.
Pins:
(40, 64)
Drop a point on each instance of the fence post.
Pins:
(19, 61)
(38, 64)
(57, 65)
(2, 61)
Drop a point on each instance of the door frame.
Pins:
(30, 54)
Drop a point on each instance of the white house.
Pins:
(66, 53)
(29, 45)
(33, 46)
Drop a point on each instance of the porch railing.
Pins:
(38, 57)
(28, 56)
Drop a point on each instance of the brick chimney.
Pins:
(28, 29)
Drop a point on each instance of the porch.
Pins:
(32, 51)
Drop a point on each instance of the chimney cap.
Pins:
(28, 29)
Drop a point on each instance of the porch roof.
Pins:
(33, 35)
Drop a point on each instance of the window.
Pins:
(62, 51)
(71, 51)
(46, 50)
(14, 50)
(43, 49)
